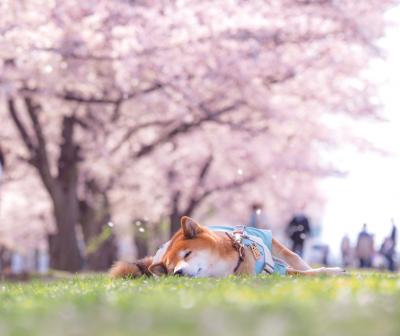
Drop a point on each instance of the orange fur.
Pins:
(123, 269)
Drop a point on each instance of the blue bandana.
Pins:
(263, 241)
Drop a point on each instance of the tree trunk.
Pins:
(101, 249)
(63, 245)
(141, 238)
(174, 222)
(176, 213)
(5, 259)
(62, 186)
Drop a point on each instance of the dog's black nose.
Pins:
(179, 272)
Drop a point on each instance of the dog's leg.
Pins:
(317, 271)
(122, 269)
(297, 266)
(292, 259)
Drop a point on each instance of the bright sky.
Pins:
(371, 192)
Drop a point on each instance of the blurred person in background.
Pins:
(3, 250)
(388, 249)
(365, 248)
(297, 230)
(2, 162)
(325, 254)
(258, 218)
(345, 248)
(2, 165)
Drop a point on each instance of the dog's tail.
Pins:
(123, 269)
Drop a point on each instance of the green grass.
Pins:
(94, 306)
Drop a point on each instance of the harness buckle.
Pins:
(254, 249)
(238, 233)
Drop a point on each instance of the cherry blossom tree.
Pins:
(166, 108)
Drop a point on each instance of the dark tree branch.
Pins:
(176, 196)
(210, 116)
(78, 98)
(205, 169)
(130, 132)
(76, 56)
(82, 123)
(33, 110)
(37, 149)
(200, 180)
(41, 159)
(196, 201)
(21, 128)
(241, 127)
(186, 127)
(279, 79)
(116, 112)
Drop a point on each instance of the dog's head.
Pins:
(195, 251)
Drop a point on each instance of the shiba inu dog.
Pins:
(200, 251)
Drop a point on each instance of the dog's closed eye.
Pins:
(187, 254)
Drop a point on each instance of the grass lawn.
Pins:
(364, 304)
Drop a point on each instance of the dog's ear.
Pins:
(158, 269)
(189, 227)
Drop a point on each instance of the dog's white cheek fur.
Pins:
(204, 264)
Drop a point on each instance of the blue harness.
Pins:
(261, 240)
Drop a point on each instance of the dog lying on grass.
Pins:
(217, 251)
